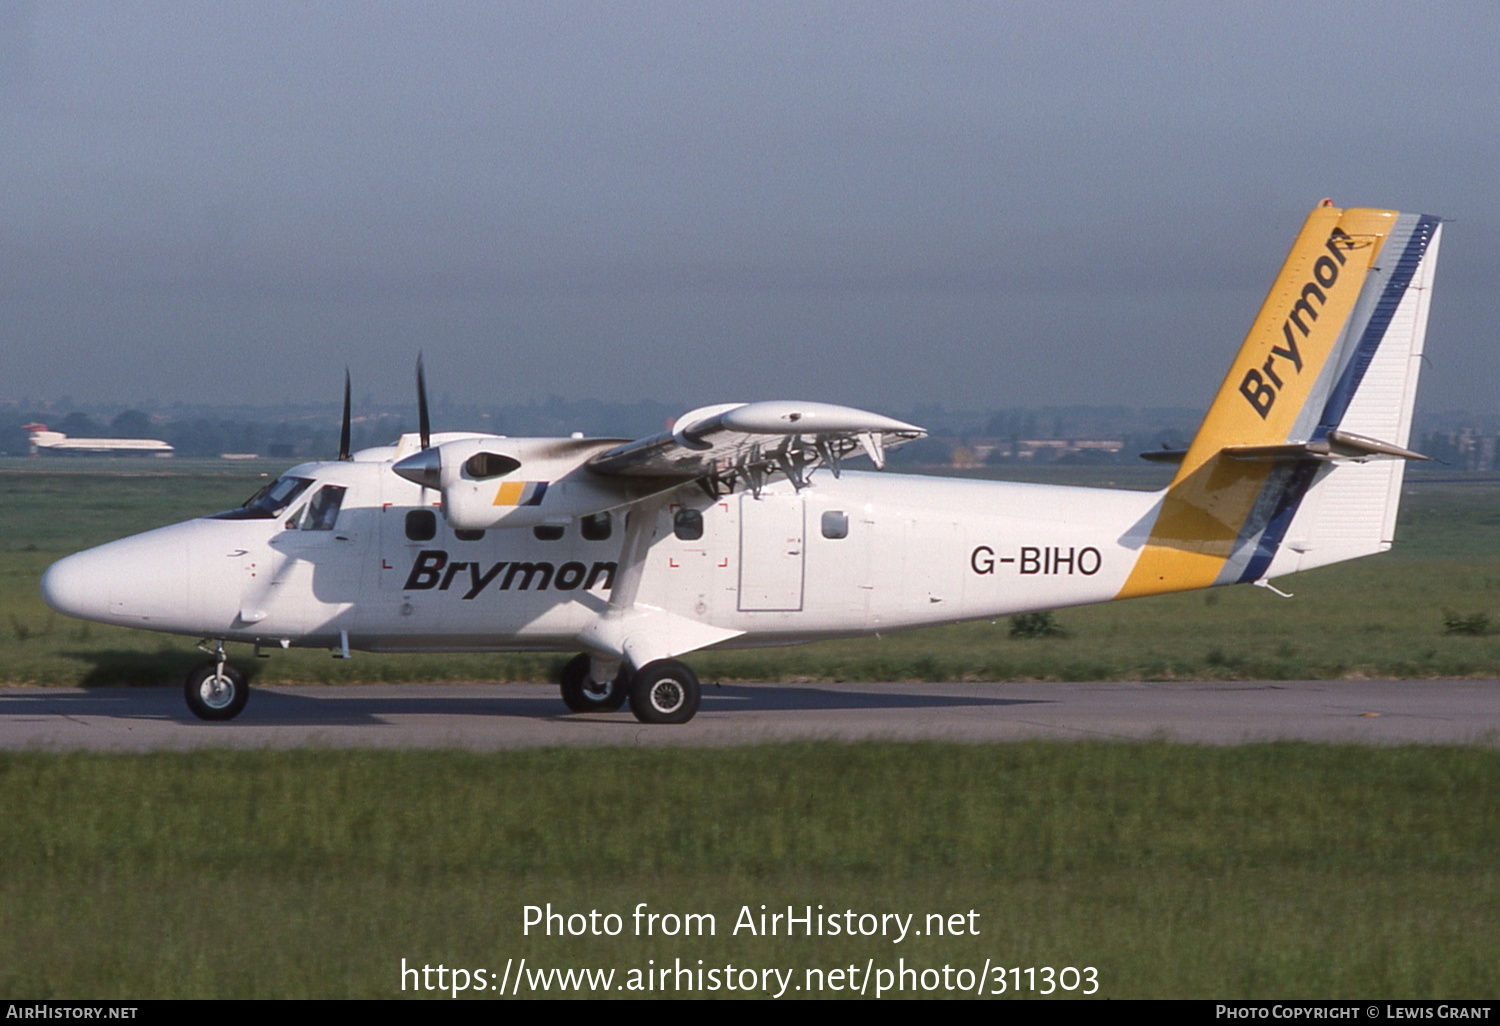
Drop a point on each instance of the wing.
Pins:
(736, 445)
(490, 481)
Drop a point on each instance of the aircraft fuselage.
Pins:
(865, 552)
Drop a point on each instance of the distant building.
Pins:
(1475, 451)
(1467, 449)
(1032, 450)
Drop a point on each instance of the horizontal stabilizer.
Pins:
(1335, 445)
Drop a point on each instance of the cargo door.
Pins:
(772, 553)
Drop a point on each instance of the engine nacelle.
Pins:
(515, 482)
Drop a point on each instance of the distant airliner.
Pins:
(43, 440)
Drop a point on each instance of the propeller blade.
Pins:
(424, 423)
(344, 429)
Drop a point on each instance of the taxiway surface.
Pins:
(492, 716)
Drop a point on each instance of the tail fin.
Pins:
(1300, 459)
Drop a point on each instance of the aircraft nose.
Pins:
(73, 586)
(134, 581)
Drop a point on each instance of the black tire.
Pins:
(582, 695)
(214, 696)
(665, 691)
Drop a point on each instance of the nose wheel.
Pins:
(216, 691)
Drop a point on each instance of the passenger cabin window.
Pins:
(323, 511)
(596, 527)
(687, 524)
(421, 524)
(835, 524)
(489, 464)
(463, 535)
(548, 532)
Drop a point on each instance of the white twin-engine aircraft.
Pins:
(718, 533)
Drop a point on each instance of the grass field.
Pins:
(1385, 616)
(1259, 871)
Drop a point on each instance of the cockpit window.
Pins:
(321, 513)
(268, 503)
(489, 464)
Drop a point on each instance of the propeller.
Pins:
(424, 423)
(424, 467)
(344, 454)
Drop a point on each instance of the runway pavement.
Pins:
(492, 716)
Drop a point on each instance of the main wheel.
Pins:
(665, 691)
(581, 694)
(215, 695)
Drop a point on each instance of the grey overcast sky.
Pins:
(883, 204)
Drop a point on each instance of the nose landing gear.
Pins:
(216, 690)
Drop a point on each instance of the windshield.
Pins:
(268, 503)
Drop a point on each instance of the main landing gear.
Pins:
(581, 693)
(664, 691)
(216, 690)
